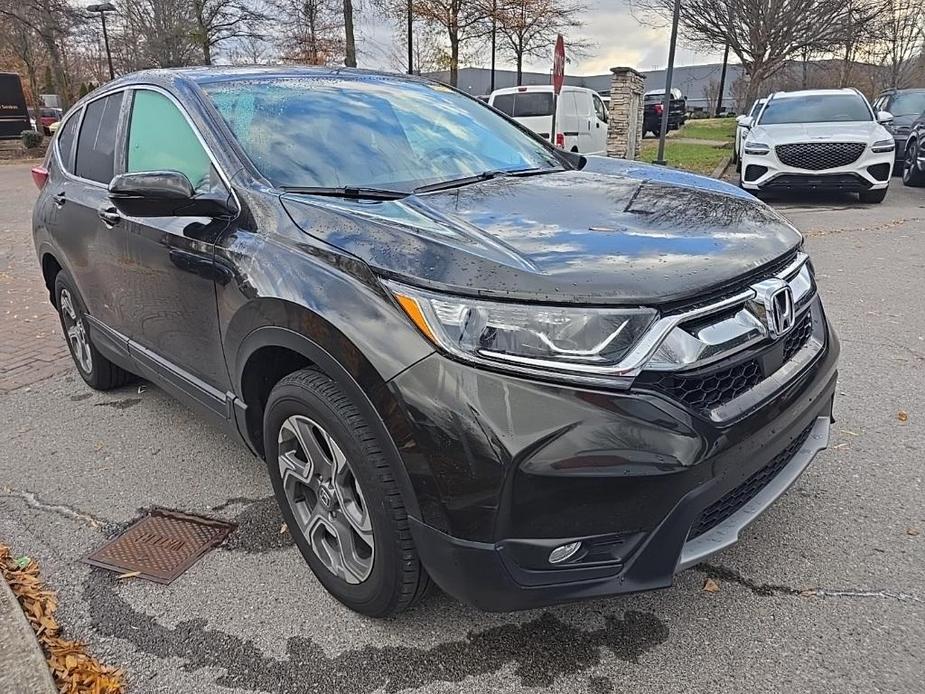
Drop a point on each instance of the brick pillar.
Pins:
(624, 135)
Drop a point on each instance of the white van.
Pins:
(581, 119)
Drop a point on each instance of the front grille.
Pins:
(704, 392)
(748, 490)
(798, 335)
(707, 389)
(817, 156)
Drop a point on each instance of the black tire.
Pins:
(96, 370)
(873, 196)
(912, 175)
(397, 580)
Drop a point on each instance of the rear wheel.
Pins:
(873, 196)
(338, 496)
(95, 369)
(912, 174)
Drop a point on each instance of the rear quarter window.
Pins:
(96, 144)
(66, 138)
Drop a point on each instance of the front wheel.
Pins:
(873, 196)
(912, 174)
(338, 496)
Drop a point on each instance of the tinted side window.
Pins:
(161, 139)
(97, 142)
(67, 135)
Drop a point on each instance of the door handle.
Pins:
(110, 215)
(59, 199)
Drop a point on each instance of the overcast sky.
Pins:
(618, 38)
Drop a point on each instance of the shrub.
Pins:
(30, 138)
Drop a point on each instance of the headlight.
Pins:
(756, 148)
(559, 339)
(881, 146)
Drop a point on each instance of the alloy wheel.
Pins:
(76, 332)
(910, 164)
(325, 498)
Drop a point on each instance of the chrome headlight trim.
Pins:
(641, 356)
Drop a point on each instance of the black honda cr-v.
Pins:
(465, 356)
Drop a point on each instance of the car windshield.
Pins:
(908, 104)
(343, 131)
(815, 108)
(524, 105)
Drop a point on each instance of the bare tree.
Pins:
(217, 21)
(21, 44)
(49, 20)
(900, 34)
(461, 21)
(311, 31)
(428, 52)
(156, 33)
(763, 34)
(712, 96)
(250, 50)
(350, 47)
(528, 28)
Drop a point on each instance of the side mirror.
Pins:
(884, 117)
(163, 194)
(744, 121)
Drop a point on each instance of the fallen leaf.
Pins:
(912, 531)
(902, 416)
(841, 445)
(23, 562)
(130, 574)
(283, 529)
(850, 433)
(710, 586)
(808, 593)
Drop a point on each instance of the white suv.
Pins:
(821, 139)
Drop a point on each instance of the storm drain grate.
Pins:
(162, 545)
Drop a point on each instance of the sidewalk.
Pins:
(23, 669)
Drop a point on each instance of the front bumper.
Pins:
(871, 171)
(507, 469)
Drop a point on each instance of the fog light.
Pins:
(563, 552)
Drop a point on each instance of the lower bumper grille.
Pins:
(745, 492)
(847, 182)
(817, 156)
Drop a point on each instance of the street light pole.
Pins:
(102, 9)
(410, 48)
(494, 33)
(722, 81)
(669, 73)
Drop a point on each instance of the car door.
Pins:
(90, 246)
(585, 121)
(599, 132)
(172, 315)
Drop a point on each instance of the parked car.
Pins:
(905, 105)
(464, 354)
(823, 139)
(45, 117)
(653, 107)
(581, 117)
(913, 166)
(743, 124)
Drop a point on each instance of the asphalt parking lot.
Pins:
(825, 593)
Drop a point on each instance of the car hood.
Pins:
(613, 233)
(785, 133)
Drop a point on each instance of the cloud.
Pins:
(619, 40)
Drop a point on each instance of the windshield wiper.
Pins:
(484, 176)
(355, 192)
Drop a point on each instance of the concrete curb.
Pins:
(721, 167)
(23, 669)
